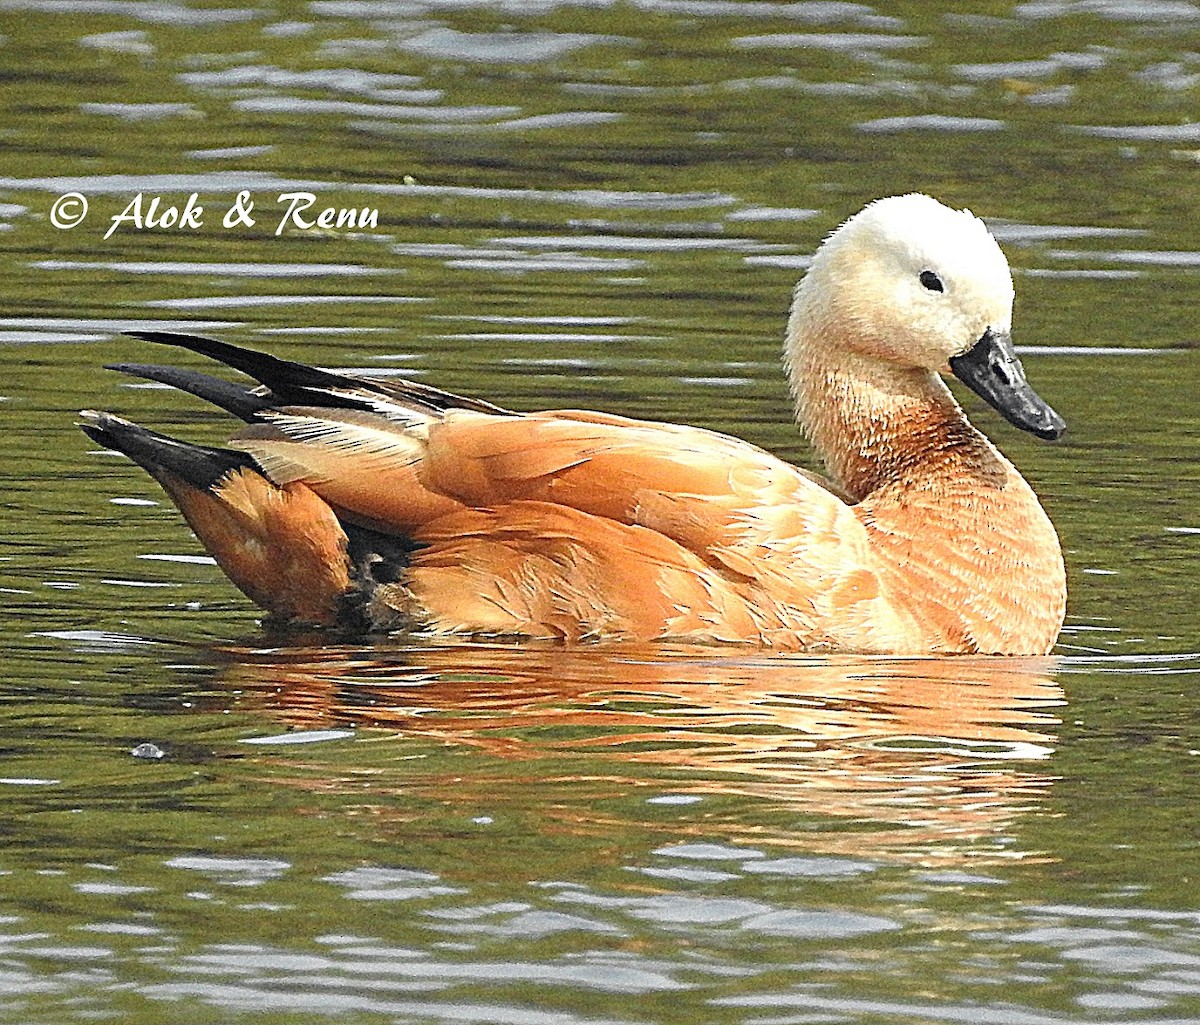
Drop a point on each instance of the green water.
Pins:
(602, 205)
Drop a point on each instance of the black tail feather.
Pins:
(198, 465)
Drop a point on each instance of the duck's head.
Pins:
(912, 283)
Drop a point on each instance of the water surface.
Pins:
(605, 205)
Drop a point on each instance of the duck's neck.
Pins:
(872, 423)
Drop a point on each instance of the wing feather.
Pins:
(357, 461)
(739, 510)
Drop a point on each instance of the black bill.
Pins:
(991, 370)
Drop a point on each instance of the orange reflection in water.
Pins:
(933, 758)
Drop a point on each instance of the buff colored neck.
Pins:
(871, 422)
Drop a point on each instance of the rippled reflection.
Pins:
(932, 758)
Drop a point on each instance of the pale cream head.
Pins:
(909, 281)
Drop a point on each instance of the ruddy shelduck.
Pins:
(378, 505)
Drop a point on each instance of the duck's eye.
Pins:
(932, 281)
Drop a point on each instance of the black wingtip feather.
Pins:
(270, 370)
(234, 398)
(299, 384)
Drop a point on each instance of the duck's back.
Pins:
(576, 524)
